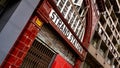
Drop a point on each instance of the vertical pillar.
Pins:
(106, 53)
(98, 46)
(19, 50)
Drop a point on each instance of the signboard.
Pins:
(63, 28)
(38, 22)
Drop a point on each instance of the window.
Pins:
(72, 16)
(83, 9)
(77, 2)
(2, 5)
(90, 62)
(65, 10)
(103, 49)
(8, 7)
(60, 5)
(96, 40)
(109, 58)
(86, 65)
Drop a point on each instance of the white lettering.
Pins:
(59, 23)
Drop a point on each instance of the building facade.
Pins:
(59, 34)
(104, 49)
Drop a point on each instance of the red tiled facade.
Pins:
(22, 45)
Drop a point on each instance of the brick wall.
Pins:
(21, 47)
(13, 22)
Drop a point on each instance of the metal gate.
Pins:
(39, 56)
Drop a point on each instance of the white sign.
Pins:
(60, 24)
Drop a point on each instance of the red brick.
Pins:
(20, 54)
(24, 55)
(14, 51)
(22, 38)
(31, 26)
(20, 45)
(7, 65)
(32, 36)
(18, 63)
(26, 49)
(28, 42)
(27, 32)
(35, 30)
(36, 33)
(11, 59)
(13, 66)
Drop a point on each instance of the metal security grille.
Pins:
(39, 56)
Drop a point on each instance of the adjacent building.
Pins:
(104, 49)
